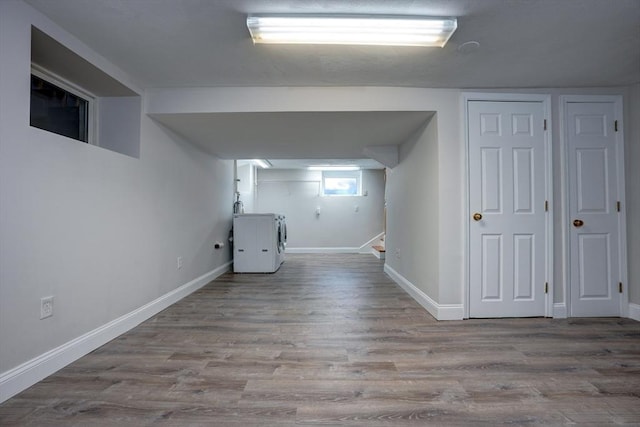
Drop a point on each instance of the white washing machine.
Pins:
(258, 243)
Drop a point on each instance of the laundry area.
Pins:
(181, 158)
(305, 206)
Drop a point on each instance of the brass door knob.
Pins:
(578, 223)
(477, 216)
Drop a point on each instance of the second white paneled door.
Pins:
(507, 198)
(595, 212)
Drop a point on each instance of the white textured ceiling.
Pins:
(523, 43)
(203, 43)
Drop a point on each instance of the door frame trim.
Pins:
(545, 100)
(620, 187)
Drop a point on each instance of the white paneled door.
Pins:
(593, 199)
(507, 202)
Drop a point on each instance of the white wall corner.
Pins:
(634, 311)
(29, 373)
(559, 310)
(438, 311)
(385, 154)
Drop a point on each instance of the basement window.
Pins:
(59, 107)
(341, 183)
(72, 97)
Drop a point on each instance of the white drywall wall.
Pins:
(343, 222)
(412, 210)
(98, 230)
(119, 125)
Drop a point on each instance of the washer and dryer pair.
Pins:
(259, 242)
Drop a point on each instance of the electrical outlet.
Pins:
(397, 253)
(46, 307)
(179, 262)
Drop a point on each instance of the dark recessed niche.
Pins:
(113, 110)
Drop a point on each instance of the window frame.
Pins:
(357, 174)
(66, 85)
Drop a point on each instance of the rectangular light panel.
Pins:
(351, 29)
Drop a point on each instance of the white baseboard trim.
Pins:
(559, 310)
(27, 374)
(634, 311)
(438, 311)
(344, 250)
(364, 249)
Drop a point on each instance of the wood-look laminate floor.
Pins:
(330, 340)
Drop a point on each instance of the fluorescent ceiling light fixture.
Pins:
(334, 168)
(264, 164)
(352, 29)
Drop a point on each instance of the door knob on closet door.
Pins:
(477, 216)
(578, 223)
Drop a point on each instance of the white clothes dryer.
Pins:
(257, 247)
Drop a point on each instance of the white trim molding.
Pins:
(634, 311)
(364, 249)
(438, 311)
(560, 310)
(27, 374)
(342, 250)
